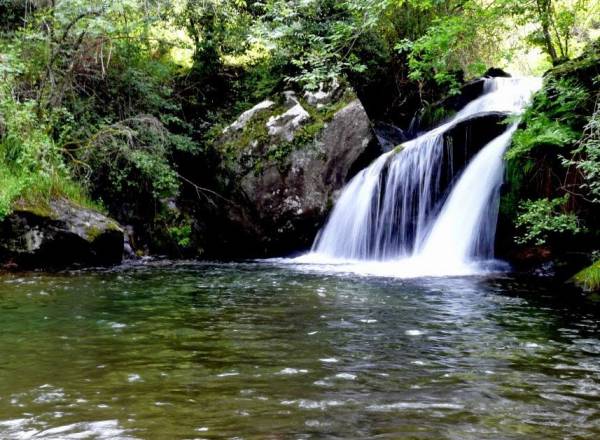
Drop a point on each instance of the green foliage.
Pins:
(589, 278)
(554, 156)
(539, 219)
(586, 157)
(130, 155)
(552, 121)
(541, 131)
(31, 164)
(313, 37)
(561, 28)
(447, 47)
(181, 235)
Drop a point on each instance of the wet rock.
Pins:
(57, 235)
(495, 72)
(389, 136)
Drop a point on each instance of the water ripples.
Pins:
(252, 350)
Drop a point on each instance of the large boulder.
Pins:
(286, 185)
(58, 234)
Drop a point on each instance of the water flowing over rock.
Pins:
(411, 203)
(59, 235)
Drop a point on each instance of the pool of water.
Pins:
(260, 351)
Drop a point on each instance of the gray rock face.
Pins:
(290, 199)
(324, 95)
(285, 125)
(248, 115)
(59, 235)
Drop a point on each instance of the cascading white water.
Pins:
(392, 211)
(466, 225)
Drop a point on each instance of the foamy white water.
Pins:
(466, 225)
(395, 218)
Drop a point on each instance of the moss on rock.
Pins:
(253, 149)
(589, 278)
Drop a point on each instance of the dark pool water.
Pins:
(258, 351)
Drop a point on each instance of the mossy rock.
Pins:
(285, 188)
(253, 149)
(37, 208)
(589, 278)
(399, 148)
(58, 233)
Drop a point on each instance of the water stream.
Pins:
(293, 349)
(397, 214)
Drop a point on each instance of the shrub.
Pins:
(539, 219)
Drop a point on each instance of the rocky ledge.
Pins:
(58, 234)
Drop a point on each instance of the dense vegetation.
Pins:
(116, 104)
(554, 166)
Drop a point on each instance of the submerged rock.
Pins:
(57, 235)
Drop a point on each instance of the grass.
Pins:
(33, 192)
(589, 278)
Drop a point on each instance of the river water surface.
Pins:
(259, 351)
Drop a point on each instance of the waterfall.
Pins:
(411, 207)
(466, 225)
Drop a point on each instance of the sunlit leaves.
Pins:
(539, 219)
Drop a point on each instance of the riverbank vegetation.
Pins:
(553, 164)
(113, 105)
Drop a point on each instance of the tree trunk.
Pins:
(544, 11)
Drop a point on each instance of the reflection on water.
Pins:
(255, 351)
